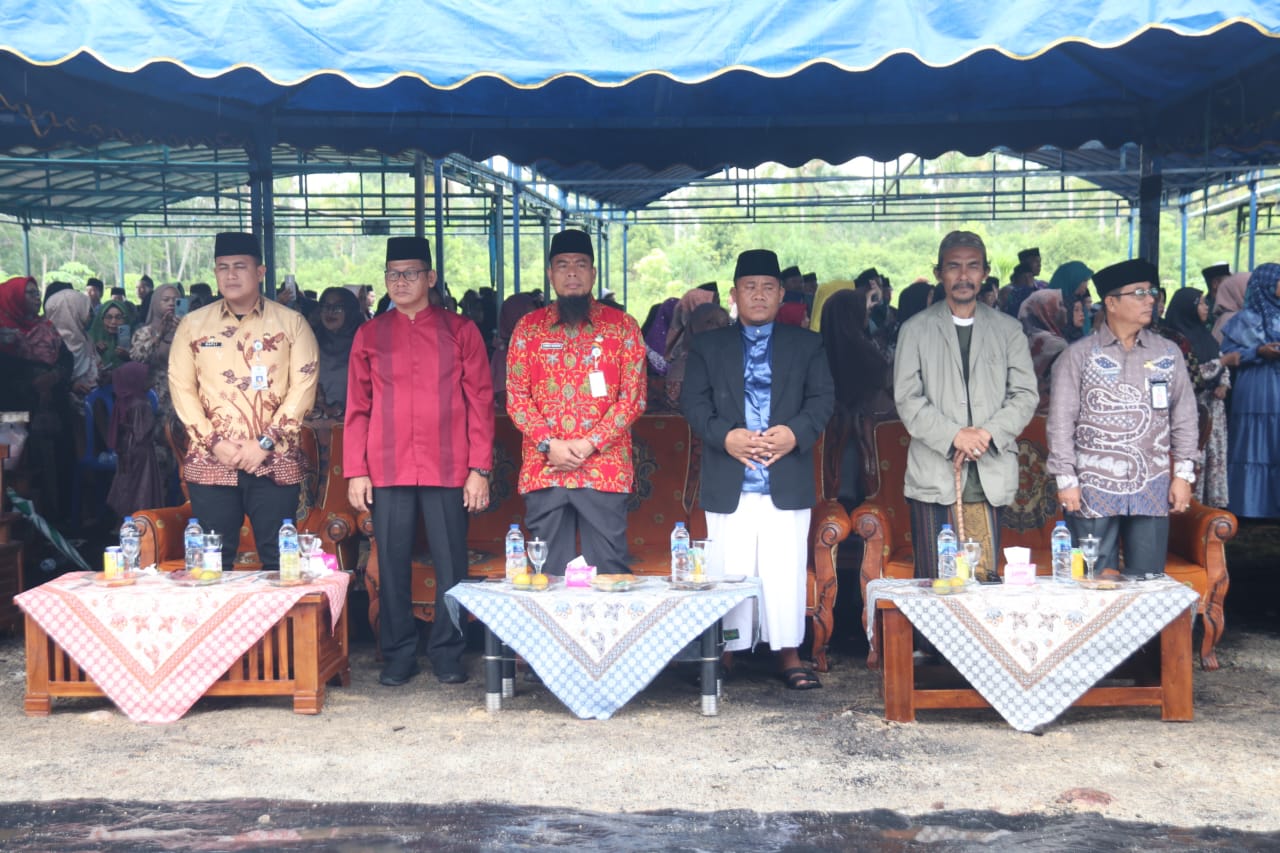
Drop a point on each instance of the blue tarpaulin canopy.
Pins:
(648, 85)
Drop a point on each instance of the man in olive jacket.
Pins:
(965, 388)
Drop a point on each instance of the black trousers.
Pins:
(395, 514)
(223, 508)
(1145, 539)
(559, 516)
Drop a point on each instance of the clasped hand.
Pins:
(760, 447)
(245, 456)
(568, 455)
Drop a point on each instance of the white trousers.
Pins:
(760, 540)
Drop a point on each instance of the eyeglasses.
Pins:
(1141, 293)
(408, 275)
(336, 307)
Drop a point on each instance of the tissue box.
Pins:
(1020, 574)
(330, 562)
(580, 576)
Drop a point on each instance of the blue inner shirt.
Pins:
(757, 374)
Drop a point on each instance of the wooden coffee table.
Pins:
(903, 694)
(297, 657)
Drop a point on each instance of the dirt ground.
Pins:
(770, 750)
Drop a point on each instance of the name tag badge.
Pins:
(258, 377)
(210, 344)
(1160, 395)
(551, 345)
(596, 380)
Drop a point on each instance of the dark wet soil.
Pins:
(246, 825)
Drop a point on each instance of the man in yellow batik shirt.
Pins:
(242, 374)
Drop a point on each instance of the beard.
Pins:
(573, 309)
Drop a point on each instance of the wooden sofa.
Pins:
(1196, 537)
(332, 518)
(665, 490)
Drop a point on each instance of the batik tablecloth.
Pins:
(595, 650)
(1032, 651)
(155, 647)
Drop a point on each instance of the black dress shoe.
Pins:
(397, 676)
(452, 677)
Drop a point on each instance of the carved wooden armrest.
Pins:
(871, 522)
(1198, 536)
(364, 521)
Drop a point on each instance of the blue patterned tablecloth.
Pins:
(1033, 651)
(595, 650)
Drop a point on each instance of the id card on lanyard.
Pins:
(595, 379)
(257, 370)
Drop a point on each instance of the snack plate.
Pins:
(616, 586)
(273, 578)
(692, 585)
(128, 579)
(706, 584)
(188, 579)
(1105, 584)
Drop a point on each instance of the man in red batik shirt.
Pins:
(419, 439)
(575, 385)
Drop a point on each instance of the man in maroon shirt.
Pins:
(419, 439)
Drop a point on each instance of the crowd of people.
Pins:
(1148, 404)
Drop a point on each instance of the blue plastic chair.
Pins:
(97, 457)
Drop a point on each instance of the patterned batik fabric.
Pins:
(550, 395)
(212, 364)
(1104, 430)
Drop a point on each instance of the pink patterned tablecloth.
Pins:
(154, 648)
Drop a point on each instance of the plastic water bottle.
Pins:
(290, 553)
(130, 544)
(947, 545)
(1060, 547)
(193, 544)
(516, 564)
(680, 552)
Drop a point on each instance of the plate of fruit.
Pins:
(535, 582)
(952, 586)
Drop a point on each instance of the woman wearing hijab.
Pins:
(151, 348)
(339, 316)
(151, 342)
(513, 309)
(104, 332)
(863, 379)
(1184, 320)
(23, 334)
(68, 311)
(707, 316)
(677, 337)
(1044, 320)
(1072, 281)
(137, 482)
(1253, 471)
(1230, 299)
(37, 369)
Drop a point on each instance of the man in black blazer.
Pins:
(759, 395)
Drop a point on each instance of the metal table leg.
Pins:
(493, 687)
(710, 663)
(508, 672)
